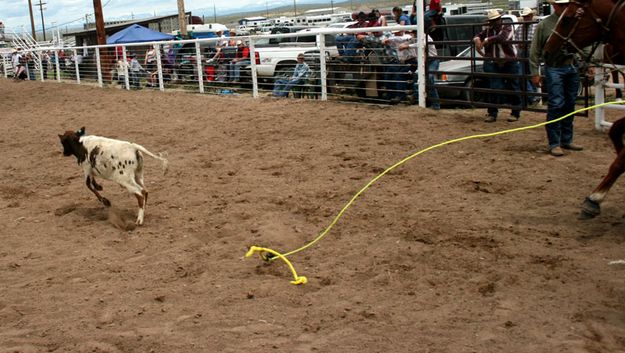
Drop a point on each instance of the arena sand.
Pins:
(471, 248)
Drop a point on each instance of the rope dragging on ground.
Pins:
(268, 254)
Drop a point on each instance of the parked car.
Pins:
(457, 73)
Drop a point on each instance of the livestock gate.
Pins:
(461, 80)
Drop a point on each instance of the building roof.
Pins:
(119, 26)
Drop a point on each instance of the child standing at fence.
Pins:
(135, 71)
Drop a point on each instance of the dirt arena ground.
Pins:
(474, 247)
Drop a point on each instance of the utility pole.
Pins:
(295, 7)
(182, 19)
(99, 22)
(214, 13)
(332, 5)
(32, 19)
(43, 24)
(267, 8)
(105, 56)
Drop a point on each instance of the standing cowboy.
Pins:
(495, 44)
(561, 83)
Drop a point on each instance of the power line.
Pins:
(76, 20)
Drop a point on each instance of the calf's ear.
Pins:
(61, 137)
(81, 131)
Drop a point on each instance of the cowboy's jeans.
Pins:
(561, 84)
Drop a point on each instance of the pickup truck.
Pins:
(277, 57)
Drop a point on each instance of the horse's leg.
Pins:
(592, 205)
(616, 134)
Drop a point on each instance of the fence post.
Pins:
(76, 66)
(41, 67)
(4, 66)
(253, 68)
(599, 97)
(322, 66)
(421, 55)
(198, 61)
(159, 66)
(58, 65)
(98, 66)
(125, 58)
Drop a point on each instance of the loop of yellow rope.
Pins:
(303, 280)
(260, 250)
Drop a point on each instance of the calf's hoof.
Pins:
(139, 221)
(106, 202)
(98, 187)
(590, 209)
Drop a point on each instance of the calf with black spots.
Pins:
(115, 160)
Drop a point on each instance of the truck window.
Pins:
(307, 39)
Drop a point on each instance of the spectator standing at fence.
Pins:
(433, 65)
(45, 59)
(150, 66)
(376, 20)
(121, 67)
(135, 71)
(301, 72)
(399, 59)
(400, 17)
(19, 71)
(347, 43)
(241, 59)
(524, 34)
(561, 83)
(494, 42)
(76, 60)
(30, 65)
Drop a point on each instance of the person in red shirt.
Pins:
(435, 7)
(241, 59)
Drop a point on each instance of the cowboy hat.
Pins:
(526, 11)
(559, 2)
(493, 14)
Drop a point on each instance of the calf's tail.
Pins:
(160, 157)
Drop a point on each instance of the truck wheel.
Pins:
(282, 72)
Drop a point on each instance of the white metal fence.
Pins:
(215, 66)
(602, 77)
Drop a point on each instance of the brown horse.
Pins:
(583, 23)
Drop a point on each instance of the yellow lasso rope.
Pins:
(302, 280)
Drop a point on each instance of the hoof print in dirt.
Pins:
(63, 210)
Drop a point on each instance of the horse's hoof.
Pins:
(585, 215)
(590, 209)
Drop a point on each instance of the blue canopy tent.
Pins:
(137, 34)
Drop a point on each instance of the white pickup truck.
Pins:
(277, 57)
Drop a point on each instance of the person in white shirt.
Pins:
(18, 66)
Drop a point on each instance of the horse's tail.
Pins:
(616, 134)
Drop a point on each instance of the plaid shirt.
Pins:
(498, 40)
(518, 34)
